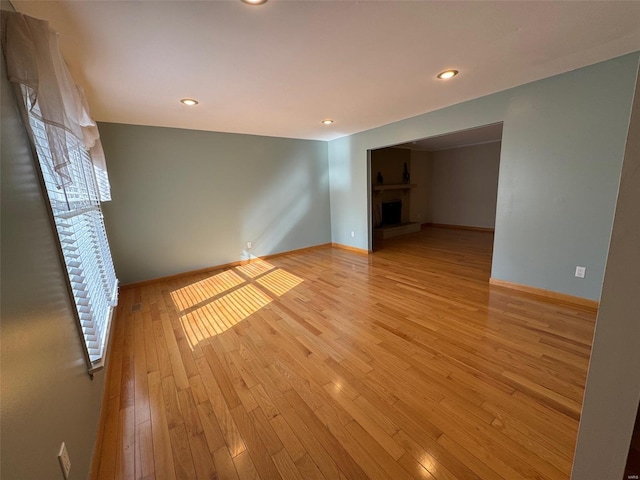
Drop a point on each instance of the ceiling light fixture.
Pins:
(447, 74)
(254, 2)
(328, 121)
(189, 102)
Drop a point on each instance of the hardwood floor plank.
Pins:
(210, 427)
(197, 389)
(162, 452)
(382, 457)
(164, 363)
(177, 365)
(415, 468)
(479, 461)
(110, 441)
(145, 466)
(308, 469)
(265, 431)
(371, 427)
(221, 411)
(547, 396)
(202, 459)
(186, 353)
(172, 408)
(437, 461)
(224, 464)
(182, 456)
(542, 428)
(125, 460)
(239, 384)
(264, 400)
(189, 413)
(255, 445)
(288, 470)
(326, 436)
(127, 378)
(150, 352)
(245, 467)
(306, 436)
(141, 388)
(221, 377)
(287, 437)
(328, 365)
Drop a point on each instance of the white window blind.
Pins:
(83, 239)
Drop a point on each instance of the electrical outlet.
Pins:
(353, 234)
(581, 271)
(249, 244)
(65, 461)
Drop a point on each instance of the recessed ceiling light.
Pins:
(254, 2)
(447, 74)
(328, 121)
(189, 101)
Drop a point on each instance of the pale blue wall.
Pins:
(613, 385)
(562, 149)
(185, 199)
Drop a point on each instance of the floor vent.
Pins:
(136, 307)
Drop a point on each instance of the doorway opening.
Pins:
(445, 181)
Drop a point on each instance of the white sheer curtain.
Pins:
(34, 61)
(74, 173)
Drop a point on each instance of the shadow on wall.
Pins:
(277, 212)
(348, 193)
(341, 166)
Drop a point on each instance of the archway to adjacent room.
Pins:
(445, 181)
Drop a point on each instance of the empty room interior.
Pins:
(264, 239)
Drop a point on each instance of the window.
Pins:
(74, 174)
(83, 240)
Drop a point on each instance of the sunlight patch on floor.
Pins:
(279, 282)
(223, 313)
(195, 293)
(215, 304)
(255, 268)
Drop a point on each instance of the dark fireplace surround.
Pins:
(391, 213)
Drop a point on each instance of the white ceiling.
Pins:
(280, 68)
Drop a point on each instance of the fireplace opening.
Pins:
(391, 213)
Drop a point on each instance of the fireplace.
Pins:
(391, 213)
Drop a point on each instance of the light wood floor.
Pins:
(333, 365)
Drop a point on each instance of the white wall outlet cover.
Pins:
(581, 271)
(353, 234)
(65, 461)
(249, 244)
